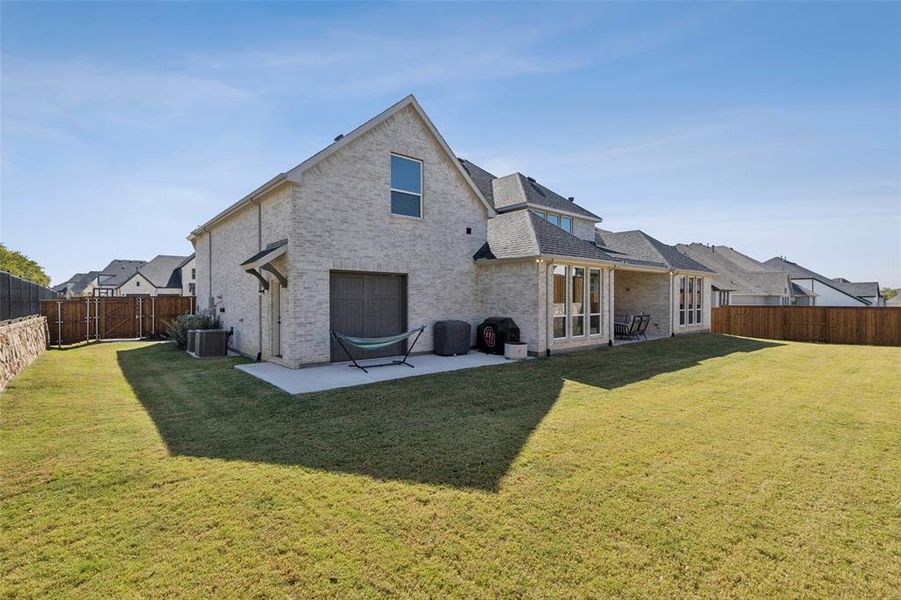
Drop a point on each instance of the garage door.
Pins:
(368, 305)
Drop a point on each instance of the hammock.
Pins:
(368, 344)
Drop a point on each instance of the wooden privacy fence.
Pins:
(830, 325)
(119, 317)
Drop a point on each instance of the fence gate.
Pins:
(79, 320)
(119, 317)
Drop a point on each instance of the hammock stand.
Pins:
(375, 344)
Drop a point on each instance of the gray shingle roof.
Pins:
(516, 189)
(796, 271)
(481, 178)
(522, 234)
(737, 272)
(163, 271)
(80, 281)
(119, 271)
(638, 244)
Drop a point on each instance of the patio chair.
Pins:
(628, 329)
(643, 326)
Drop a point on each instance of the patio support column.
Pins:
(672, 304)
(611, 307)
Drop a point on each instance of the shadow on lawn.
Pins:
(462, 429)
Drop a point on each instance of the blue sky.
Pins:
(772, 128)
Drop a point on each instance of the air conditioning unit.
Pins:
(192, 336)
(210, 342)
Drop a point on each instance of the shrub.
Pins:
(178, 329)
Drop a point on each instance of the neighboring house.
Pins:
(114, 275)
(741, 280)
(894, 301)
(386, 230)
(162, 276)
(829, 291)
(188, 269)
(80, 284)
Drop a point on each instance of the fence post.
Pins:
(140, 318)
(153, 315)
(87, 321)
(59, 325)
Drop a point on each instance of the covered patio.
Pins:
(642, 292)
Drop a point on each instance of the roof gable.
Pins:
(163, 271)
(850, 288)
(410, 101)
(637, 244)
(295, 174)
(119, 271)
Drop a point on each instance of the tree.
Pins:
(889, 293)
(16, 263)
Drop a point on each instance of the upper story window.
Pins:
(564, 223)
(406, 186)
(193, 273)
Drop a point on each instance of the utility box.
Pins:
(192, 336)
(451, 337)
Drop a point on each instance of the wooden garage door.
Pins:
(368, 305)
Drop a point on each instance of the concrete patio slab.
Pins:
(338, 375)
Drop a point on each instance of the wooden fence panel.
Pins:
(76, 320)
(832, 325)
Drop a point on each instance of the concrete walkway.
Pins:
(338, 375)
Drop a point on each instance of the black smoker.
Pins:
(495, 332)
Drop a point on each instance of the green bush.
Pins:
(178, 329)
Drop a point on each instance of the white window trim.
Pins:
(586, 302)
(394, 189)
(571, 275)
(600, 312)
(566, 314)
(546, 215)
(688, 312)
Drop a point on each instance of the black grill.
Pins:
(495, 332)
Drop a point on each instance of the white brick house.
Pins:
(386, 229)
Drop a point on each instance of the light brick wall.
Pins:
(644, 293)
(342, 221)
(512, 290)
(234, 240)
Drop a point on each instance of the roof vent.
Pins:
(340, 135)
(572, 198)
(531, 179)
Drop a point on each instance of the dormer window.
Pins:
(564, 223)
(406, 186)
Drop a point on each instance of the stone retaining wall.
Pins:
(21, 342)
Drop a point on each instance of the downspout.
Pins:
(209, 270)
(259, 286)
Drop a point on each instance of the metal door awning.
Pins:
(262, 261)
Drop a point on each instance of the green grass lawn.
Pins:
(700, 466)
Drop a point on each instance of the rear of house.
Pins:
(386, 230)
